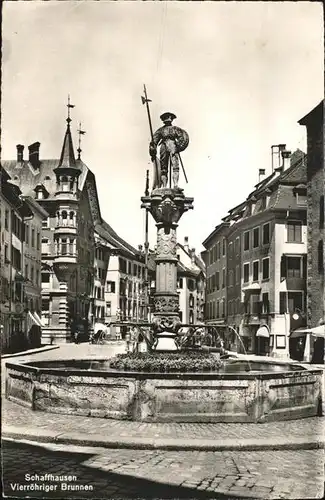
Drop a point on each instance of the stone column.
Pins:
(166, 205)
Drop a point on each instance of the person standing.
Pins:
(128, 340)
(77, 336)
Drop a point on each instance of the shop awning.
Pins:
(31, 321)
(254, 287)
(100, 327)
(38, 319)
(317, 331)
(263, 331)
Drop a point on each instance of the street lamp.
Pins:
(298, 314)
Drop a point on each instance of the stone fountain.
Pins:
(98, 388)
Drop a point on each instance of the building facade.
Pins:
(190, 284)
(66, 189)
(124, 292)
(315, 199)
(313, 122)
(20, 268)
(266, 241)
(215, 258)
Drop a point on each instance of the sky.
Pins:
(238, 75)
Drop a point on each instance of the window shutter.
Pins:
(283, 266)
(283, 302)
(304, 266)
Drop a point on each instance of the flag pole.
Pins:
(146, 101)
(146, 252)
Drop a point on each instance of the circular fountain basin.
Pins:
(239, 392)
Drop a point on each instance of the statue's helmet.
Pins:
(168, 117)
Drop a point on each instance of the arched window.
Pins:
(71, 218)
(64, 216)
(190, 284)
(71, 183)
(71, 246)
(64, 246)
(65, 183)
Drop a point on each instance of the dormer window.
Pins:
(40, 192)
(301, 199)
(300, 193)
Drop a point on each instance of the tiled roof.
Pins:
(197, 259)
(181, 268)
(108, 233)
(285, 199)
(216, 230)
(24, 175)
(67, 159)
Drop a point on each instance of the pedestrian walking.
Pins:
(142, 345)
(128, 341)
(77, 336)
(208, 339)
(134, 339)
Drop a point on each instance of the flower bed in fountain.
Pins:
(166, 362)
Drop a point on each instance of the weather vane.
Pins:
(80, 132)
(69, 106)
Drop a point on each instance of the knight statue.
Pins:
(167, 142)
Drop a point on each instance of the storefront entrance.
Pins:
(262, 341)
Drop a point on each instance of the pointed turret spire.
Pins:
(67, 159)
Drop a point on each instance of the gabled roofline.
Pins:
(313, 114)
(222, 225)
(35, 205)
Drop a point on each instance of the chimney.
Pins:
(20, 152)
(140, 248)
(261, 174)
(286, 155)
(193, 255)
(34, 154)
(186, 243)
(276, 151)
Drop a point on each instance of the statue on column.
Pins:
(167, 142)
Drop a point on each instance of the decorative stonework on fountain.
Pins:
(166, 205)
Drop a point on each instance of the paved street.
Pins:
(163, 474)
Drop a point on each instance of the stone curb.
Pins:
(97, 440)
(31, 351)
